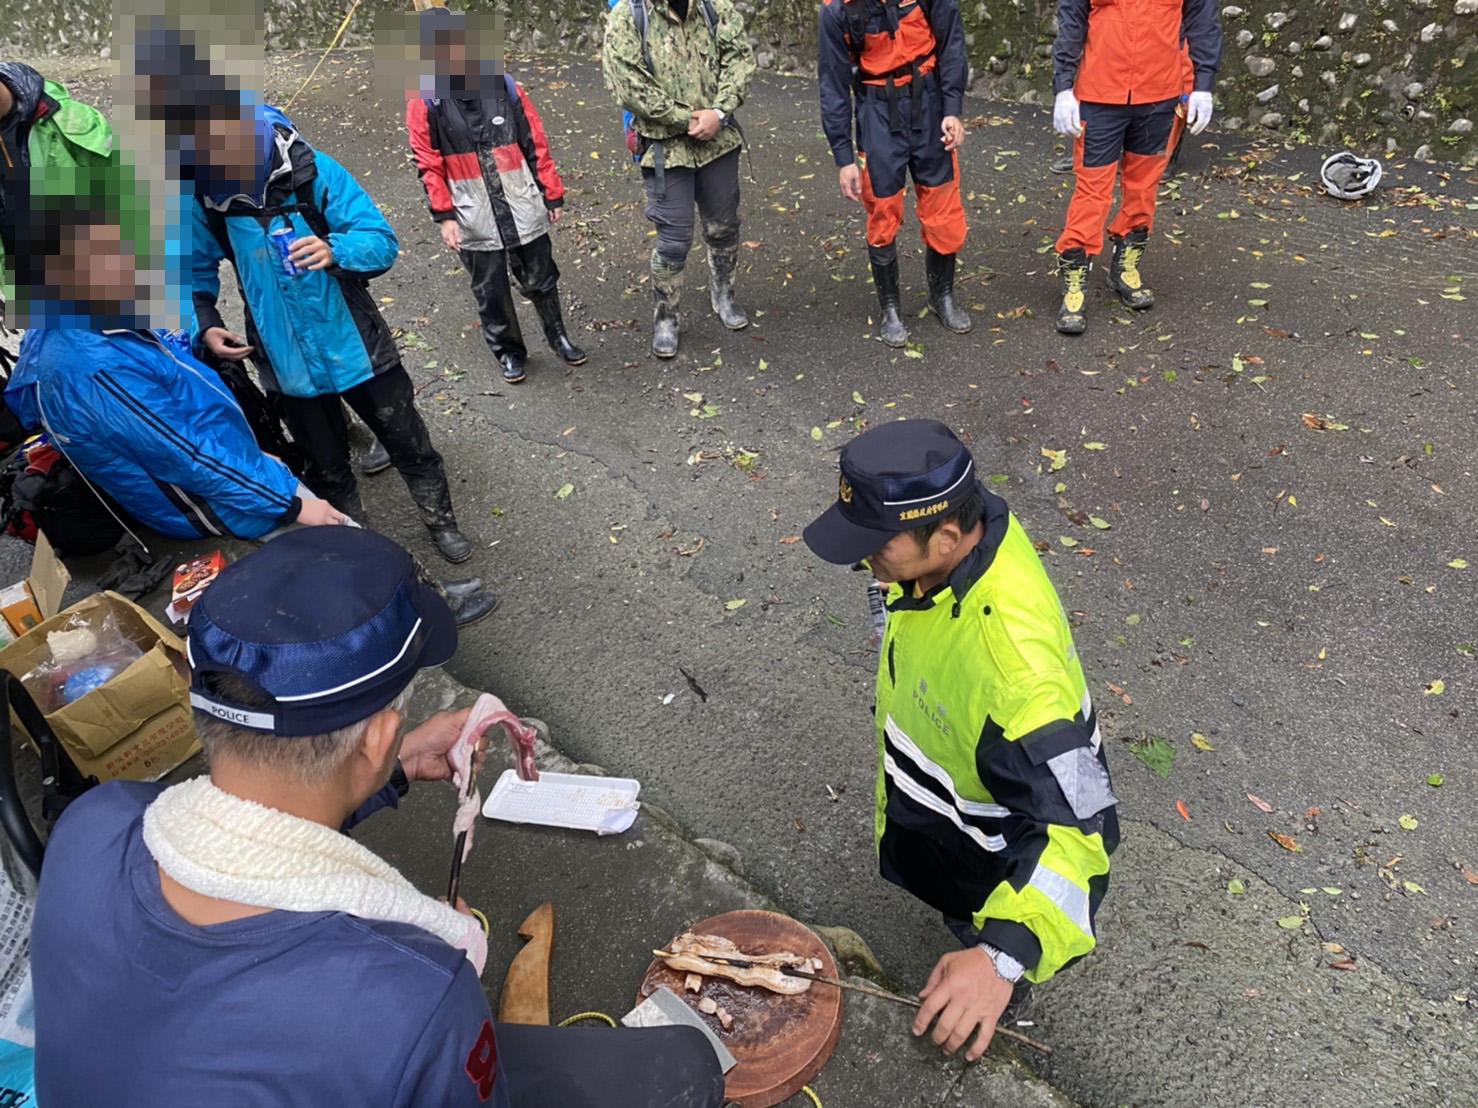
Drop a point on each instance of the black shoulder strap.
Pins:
(639, 19)
(215, 219)
(710, 16)
(308, 208)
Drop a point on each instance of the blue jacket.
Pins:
(319, 333)
(155, 429)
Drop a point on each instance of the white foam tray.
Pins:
(605, 805)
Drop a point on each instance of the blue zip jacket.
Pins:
(155, 429)
(320, 333)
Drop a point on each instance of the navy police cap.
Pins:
(895, 477)
(328, 624)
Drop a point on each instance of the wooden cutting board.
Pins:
(780, 1042)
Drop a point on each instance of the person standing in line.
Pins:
(682, 68)
(898, 68)
(1120, 78)
(492, 187)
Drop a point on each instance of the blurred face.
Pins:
(96, 267)
(228, 145)
(449, 55)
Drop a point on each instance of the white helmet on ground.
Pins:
(1349, 176)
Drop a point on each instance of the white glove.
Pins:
(1065, 116)
(1198, 112)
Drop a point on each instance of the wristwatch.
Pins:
(722, 118)
(399, 781)
(1008, 967)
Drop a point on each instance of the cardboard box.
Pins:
(26, 603)
(138, 726)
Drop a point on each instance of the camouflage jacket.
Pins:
(693, 70)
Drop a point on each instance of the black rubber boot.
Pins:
(462, 587)
(454, 545)
(1073, 267)
(721, 266)
(1063, 163)
(513, 370)
(554, 329)
(1123, 270)
(885, 277)
(940, 269)
(467, 610)
(667, 288)
(374, 460)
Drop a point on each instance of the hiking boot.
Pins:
(513, 370)
(452, 543)
(885, 277)
(554, 329)
(666, 296)
(941, 272)
(721, 266)
(464, 586)
(1073, 267)
(1123, 270)
(1063, 163)
(467, 610)
(374, 460)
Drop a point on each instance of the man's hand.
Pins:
(704, 125)
(1066, 117)
(311, 253)
(319, 513)
(850, 178)
(426, 754)
(554, 214)
(461, 906)
(7, 100)
(965, 992)
(1198, 112)
(226, 344)
(953, 133)
(451, 234)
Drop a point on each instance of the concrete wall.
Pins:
(1399, 76)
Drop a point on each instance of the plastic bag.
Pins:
(85, 654)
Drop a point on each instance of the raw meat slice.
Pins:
(488, 711)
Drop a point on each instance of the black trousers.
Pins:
(714, 188)
(538, 278)
(592, 1067)
(387, 403)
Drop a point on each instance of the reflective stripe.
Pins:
(920, 795)
(1097, 737)
(940, 774)
(1069, 898)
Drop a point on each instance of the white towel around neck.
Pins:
(222, 846)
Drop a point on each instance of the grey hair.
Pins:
(310, 759)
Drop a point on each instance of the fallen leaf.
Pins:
(1236, 887)
(1259, 803)
(1198, 946)
(816, 433)
(1343, 964)
(735, 605)
(1133, 619)
(1312, 814)
(1285, 841)
(564, 492)
(1200, 742)
(1101, 524)
(1458, 563)
(1409, 823)
(1185, 813)
(1413, 887)
(1435, 688)
(1330, 890)
(1095, 446)
(1291, 923)
(1156, 752)
(790, 540)
(857, 399)
(1435, 780)
(1469, 876)
(1067, 541)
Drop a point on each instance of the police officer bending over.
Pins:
(993, 797)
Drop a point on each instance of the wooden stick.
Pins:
(865, 990)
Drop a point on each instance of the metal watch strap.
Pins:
(1008, 967)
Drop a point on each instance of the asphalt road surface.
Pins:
(1281, 459)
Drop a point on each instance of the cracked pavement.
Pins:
(1287, 472)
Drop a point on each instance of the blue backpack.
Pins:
(639, 17)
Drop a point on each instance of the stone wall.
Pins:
(1392, 76)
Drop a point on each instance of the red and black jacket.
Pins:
(1134, 51)
(485, 162)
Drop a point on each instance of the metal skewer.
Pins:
(866, 990)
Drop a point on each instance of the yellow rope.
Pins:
(588, 1016)
(810, 1092)
(487, 928)
(332, 43)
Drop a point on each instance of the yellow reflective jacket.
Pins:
(993, 797)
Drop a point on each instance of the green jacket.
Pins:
(691, 70)
(993, 796)
(71, 153)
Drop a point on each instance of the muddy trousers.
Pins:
(900, 139)
(533, 268)
(387, 404)
(713, 189)
(1131, 142)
